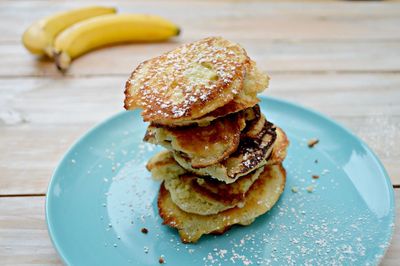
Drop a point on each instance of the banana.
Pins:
(96, 32)
(39, 37)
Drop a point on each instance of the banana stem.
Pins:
(62, 60)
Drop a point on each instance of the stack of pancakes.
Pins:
(223, 163)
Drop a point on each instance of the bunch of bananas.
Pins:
(68, 35)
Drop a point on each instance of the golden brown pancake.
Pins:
(255, 122)
(260, 198)
(208, 198)
(254, 82)
(271, 143)
(279, 150)
(203, 146)
(195, 194)
(188, 82)
(163, 166)
(230, 194)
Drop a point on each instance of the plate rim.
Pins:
(88, 133)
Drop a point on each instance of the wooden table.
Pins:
(341, 58)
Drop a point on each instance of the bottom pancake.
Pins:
(260, 198)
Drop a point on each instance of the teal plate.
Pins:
(101, 196)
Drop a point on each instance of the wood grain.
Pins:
(23, 233)
(272, 56)
(24, 239)
(239, 19)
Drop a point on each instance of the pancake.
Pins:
(188, 82)
(163, 166)
(205, 196)
(203, 146)
(261, 197)
(279, 150)
(251, 154)
(255, 122)
(231, 194)
(195, 194)
(254, 82)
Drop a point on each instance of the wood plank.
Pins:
(33, 156)
(24, 238)
(236, 19)
(273, 56)
(23, 233)
(43, 117)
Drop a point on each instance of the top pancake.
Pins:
(188, 82)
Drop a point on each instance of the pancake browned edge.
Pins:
(260, 198)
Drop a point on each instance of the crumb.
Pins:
(315, 176)
(161, 260)
(316, 161)
(325, 171)
(310, 189)
(312, 142)
(295, 189)
(144, 230)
